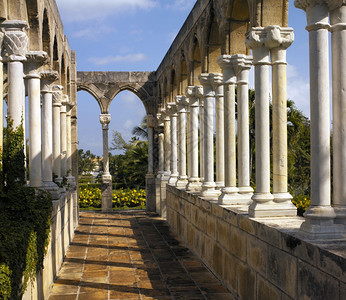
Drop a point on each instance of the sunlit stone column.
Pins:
(106, 186)
(34, 61)
(217, 82)
(63, 135)
(208, 185)
(15, 42)
(1, 97)
(161, 138)
(319, 217)
(182, 103)
(167, 144)
(201, 136)
(338, 29)
(242, 67)
(70, 177)
(229, 193)
(172, 108)
(192, 92)
(150, 125)
(47, 79)
(262, 204)
(57, 99)
(278, 40)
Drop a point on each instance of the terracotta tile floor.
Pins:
(131, 255)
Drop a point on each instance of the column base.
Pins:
(194, 185)
(230, 196)
(340, 212)
(219, 185)
(282, 197)
(52, 188)
(71, 180)
(173, 179)
(106, 190)
(263, 205)
(58, 180)
(182, 182)
(323, 227)
(209, 191)
(159, 174)
(165, 176)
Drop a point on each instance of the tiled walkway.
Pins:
(131, 255)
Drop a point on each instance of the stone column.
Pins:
(106, 186)
(338, 29)
(63, 135)
(167, 145)
(161, 145)
(47, 79)
(150, 178)
(182, 102)
(201, 137)
(57, 99)
(319, 217)
(218, 87)
(70, 178)
(229, 193)
(188, 139)
(150, 125)
(35, 60)
(172, 108)
(192, 92)
(242, 67)
(278, 40)
(208, 186)
(15, 42)
(262, 204)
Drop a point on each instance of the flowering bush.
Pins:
(90, 196)
(302, 202)
(129, 198)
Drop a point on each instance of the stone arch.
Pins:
(213, 45)
(93, 91)
(63, 73)
(173, 84)
(196, 61)
(239, 14)
(183, 78)
(165, 91)
(34, 23)
(55, 55)
(46, 33)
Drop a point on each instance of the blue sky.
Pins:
(134, 35)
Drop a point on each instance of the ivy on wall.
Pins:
(25, 215)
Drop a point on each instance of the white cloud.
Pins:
(92, 33)
(298, 89)
(129, 124)
(182, 5)
(82, 10)
(131, 58)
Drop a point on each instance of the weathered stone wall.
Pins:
(63, 225)
(257, 258)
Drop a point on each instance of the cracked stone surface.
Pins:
(132, 255)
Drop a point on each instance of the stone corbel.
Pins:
(15, 39)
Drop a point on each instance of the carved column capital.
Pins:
(35, 60)
(47, 79)
(172, 109)
(216, 79)
(306, 4)
(182, 103)
(278, 36)
(57, 95)
(105, 119)
(334, 4)
(15, 39)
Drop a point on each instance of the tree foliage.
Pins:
(86, 161)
